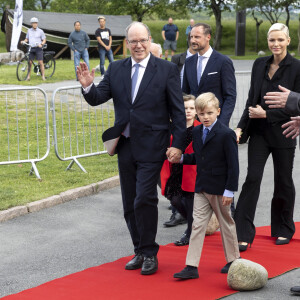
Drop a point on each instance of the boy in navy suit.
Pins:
(216, 157)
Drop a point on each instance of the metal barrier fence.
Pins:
(24, 126)
(77, 126)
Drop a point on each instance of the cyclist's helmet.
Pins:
(34, 20)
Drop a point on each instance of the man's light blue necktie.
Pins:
(205, 133)
(199, 69)
(134, 79)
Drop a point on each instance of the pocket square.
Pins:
(212, 73)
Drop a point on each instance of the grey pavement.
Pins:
(89, 231)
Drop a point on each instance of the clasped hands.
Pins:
(257, 112)
(174, 155)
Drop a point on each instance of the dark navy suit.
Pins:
(216, 159)
(141, 156)
(218, 77)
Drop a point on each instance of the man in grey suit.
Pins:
(291, 102)
(146, 94)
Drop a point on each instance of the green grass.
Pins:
(17, 187)
(64, 71)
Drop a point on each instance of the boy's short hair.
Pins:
(188, 97)
(205, 99)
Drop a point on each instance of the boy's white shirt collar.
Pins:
(211, 126)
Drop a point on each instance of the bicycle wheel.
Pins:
(22, 69)
(49, 66)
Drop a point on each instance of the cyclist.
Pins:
(36, 38)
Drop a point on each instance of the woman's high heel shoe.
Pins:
(244, 247)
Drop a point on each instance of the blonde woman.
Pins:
(263, 126)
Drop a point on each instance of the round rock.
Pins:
(245, 275)
(213, 225)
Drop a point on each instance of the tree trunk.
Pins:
(218, 35)
(257, 37)
(287, 21)
(299, 36)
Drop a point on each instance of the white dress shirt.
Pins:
(205, 59)
(143, 64)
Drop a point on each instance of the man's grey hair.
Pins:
(159, 48)
(136, 23)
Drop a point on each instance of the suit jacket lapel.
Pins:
(212, 133)
(259, 80)
(149, 73)
(208, 68)
(127, 66)
(193, 74)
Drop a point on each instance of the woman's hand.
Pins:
(257, 112)
(238, 133)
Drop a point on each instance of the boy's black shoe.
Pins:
(176, 219)
(225, 269)
(188, 272)
(295, 290)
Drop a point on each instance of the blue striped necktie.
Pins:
(205, 133)
(134, 80)
(199, 69)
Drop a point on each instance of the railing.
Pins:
(24, 126)
(77, 126)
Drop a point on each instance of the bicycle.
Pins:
(24, 64)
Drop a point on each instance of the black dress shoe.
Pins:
(184, 240)
(135, 263)
(243, 247)
(282, 242)
(225, 269)
(149, 266)
(189, 272)
(295, 290)
(176, 219)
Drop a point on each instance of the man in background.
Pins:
(210, 71)
(170, 34)
(36, 38)
(103, 36)
(156, 50)
(79, 43)
(188, 30)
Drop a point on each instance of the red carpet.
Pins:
(111, 281)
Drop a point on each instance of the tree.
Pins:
(272, 10)
(257, 24)
(138, 9)
(214, 7)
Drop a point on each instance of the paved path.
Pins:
(90, 231)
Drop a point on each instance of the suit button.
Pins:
(202, 169)
(202, 157)
(131, 110)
